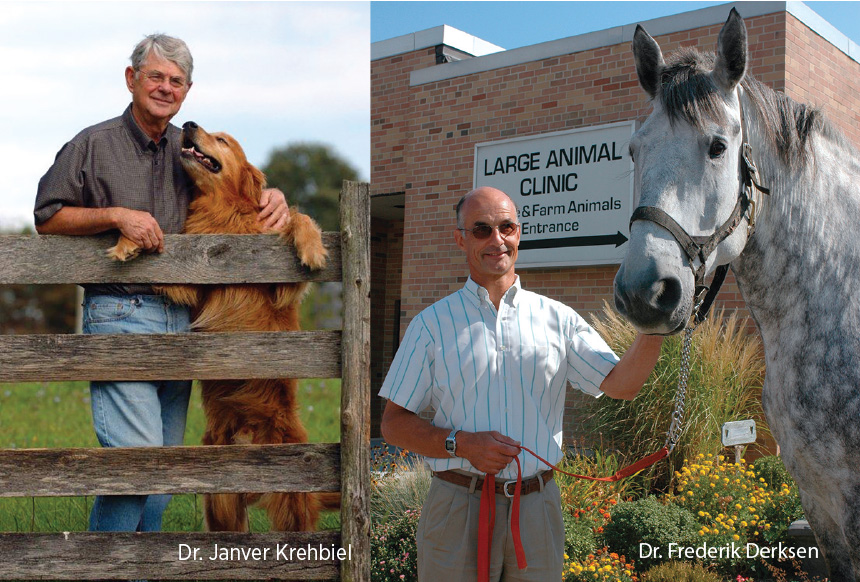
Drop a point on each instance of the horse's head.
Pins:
(687, 157)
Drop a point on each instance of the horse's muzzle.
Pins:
(653, 304)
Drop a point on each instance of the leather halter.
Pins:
(701, 247)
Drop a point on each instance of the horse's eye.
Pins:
(717, 149)
(630, 151)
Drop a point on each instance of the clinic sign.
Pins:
(574, 190)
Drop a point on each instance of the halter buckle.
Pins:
(747, 156)
(751, 215)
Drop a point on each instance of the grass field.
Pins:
(57, 415)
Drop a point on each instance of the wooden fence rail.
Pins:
(187, 258)
(202, 356)
(328, 467)
(154, 470)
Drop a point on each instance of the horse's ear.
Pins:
(731, 53)
(649, 61)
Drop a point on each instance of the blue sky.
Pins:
(269, 73)
(515, 24)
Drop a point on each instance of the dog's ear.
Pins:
(255, 180)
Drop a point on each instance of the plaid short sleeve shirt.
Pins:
(506, 370)
(114, 163)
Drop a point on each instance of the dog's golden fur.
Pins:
(228, 190)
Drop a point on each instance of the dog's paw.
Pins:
(124, 250)
(314, 256)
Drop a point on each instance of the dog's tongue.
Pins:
(192, 151)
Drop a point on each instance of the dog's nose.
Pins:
(189, 125)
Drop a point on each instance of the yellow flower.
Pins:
(736, 537)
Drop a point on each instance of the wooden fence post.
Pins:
(355, 387)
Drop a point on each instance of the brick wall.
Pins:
(818, 73)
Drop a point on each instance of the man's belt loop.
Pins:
(474, 484)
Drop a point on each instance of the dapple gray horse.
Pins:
(798, 265)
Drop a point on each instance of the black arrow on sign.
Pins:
(617, 239)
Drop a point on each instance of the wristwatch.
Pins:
(451, 443)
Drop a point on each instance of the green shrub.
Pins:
(726, 375)
(579, 538)
(773, 471)
(680, 572)
(647, 521)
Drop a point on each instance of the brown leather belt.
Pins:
(502, 487)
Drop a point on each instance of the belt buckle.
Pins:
(505, 488)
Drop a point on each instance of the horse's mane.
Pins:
(688, 92)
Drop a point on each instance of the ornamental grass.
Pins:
(726, 376)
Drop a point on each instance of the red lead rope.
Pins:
(487, 514)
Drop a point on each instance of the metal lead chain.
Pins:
(681, 395)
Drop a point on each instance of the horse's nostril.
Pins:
(668, 294)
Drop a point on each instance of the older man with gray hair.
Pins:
(125, 175)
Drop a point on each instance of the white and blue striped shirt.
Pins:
(506, 371)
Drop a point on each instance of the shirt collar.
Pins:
(145, 142)
(477, 294)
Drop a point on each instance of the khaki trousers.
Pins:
(447, 536)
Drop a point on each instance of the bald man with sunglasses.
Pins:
(493, 361)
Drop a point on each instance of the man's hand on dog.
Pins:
(141, 228)
(275, 213)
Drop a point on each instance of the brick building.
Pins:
(437, 94)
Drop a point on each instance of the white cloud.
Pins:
(272, 71)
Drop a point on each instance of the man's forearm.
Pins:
(403, 428)
(79, 221)
(487, 451)
(627, 377)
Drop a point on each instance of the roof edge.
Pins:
(438, 35)
(499, 58)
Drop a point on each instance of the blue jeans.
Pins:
(135, 414)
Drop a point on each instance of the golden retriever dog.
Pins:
(228, 190)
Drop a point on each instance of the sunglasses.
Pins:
(484, 231)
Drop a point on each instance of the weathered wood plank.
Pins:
(202, 259)
(124, 556)
(199, 356)
(152, 470)
(355, 387)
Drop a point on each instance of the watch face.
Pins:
(449, 444)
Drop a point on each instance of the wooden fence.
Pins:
(200, 259)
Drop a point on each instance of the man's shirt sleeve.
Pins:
(410, 377)
(589, 358)
(62, 185)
